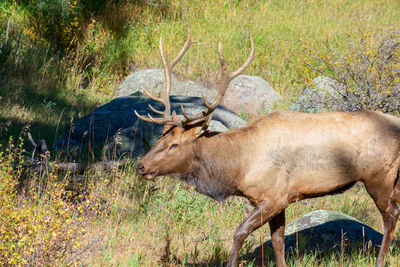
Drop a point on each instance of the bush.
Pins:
(41, 226)
(57, 22)
(367, 76)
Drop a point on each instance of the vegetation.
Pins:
(59, 59)
(116, 218)
(43, 223)
(367, 76)
(62, 58)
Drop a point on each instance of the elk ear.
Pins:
(166, 128)
(174, 116)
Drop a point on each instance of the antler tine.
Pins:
(186, 46)
(159, 120)
(248, 60)
(150, 119)
(221, 58)
(226, 78)
(153, 97)
(156, 110)
(167, 70)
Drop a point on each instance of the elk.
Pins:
(280, 158)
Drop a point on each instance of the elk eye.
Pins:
(173, 146)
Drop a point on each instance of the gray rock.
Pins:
(319, 97)
(153, 80)
(316, 218)
(250, 93)
(115, 127)
(325, 232)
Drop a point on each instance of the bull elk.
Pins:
(280, 158)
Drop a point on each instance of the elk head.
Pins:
(172, 153)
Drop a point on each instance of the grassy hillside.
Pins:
(62, 64)
(61, 59)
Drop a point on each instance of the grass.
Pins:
(167, 222)
(125, 37)
(139, 223)
(44, 89)
(278, 28)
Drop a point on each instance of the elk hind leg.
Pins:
(390, 217)
(384, 196)
(277, 226)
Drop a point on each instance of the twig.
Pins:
(69, 262)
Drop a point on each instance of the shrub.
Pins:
(42, 226)
(57, 22)
(367, 76)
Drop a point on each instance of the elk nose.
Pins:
(140, 168)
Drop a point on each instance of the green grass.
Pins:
(45, 89)
(164, 221)
(125, 37)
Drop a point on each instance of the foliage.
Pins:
(44, 225)
(55, 22)
(63, 23)
(81, 68)
(367, 74)
(54, 68)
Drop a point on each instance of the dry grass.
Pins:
(167, 222)
(123, 38)
(161, 223)
(133, 222)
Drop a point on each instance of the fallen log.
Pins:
(43, 164)
(75, 168)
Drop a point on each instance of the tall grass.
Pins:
(118, 219)
(168, 223)
(45, 83)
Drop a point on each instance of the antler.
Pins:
(167, 119)
(226, 78)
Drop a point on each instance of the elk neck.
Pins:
(216, 166)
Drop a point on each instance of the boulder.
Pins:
(115, 127)
(326, 232)
(250, 93)
(153, 80)
(321, 96)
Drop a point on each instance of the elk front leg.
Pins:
(258, 217)
(277, 226)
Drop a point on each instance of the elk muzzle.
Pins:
(143, 171)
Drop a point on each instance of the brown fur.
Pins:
(284, 157)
